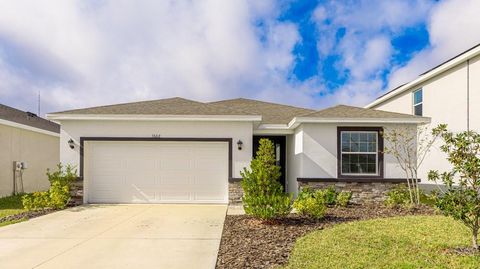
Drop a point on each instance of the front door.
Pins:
(280, 153)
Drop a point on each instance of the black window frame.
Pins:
(380, 149)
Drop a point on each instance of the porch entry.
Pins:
(280, 153)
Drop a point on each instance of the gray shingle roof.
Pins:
(27, 118)
(170, 106)
(351, 112)
(271, 113)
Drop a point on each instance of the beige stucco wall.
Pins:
(445, 100)
(40, 151)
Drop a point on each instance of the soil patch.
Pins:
(26, 215)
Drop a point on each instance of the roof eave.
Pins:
(426, 76)
(298, 120)
(60, 117)
(28, 128)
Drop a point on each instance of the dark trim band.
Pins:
(234, 179)
(355, 180)
(175, 139)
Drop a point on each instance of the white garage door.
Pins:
(156, 172)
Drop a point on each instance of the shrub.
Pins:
(57, 196)
(343, 198)
(329, 195)
(461, 199)
(64, 175)
(263, 194)
(35, 201)
(398, 196)
(311, 203)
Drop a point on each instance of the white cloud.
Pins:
(360, 34)
(85, 53)
(453, 27)
(90, 53)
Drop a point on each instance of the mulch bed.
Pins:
(27, 215)
(249, 243)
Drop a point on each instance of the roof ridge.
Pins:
(259, 101)
(316, 111)
(226, 107)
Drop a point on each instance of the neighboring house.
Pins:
(181, 151)
(27, 138)
(448, 93)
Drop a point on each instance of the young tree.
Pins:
(409, 145)
(461, 199)
(263, 194)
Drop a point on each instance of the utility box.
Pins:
(17, 166)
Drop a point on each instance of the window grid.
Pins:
(362, 149)
(418, 102)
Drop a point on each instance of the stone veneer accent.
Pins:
(362, 192)
(76, 192)
(235, 192)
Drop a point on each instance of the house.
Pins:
(33, 143)
(448, 93)
(182, 151)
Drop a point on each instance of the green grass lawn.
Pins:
(10, 205)
(401, 242)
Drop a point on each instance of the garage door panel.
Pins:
(170, 178)
(148, 180)
(105, 182)
(157, 172)
(204, 195)
(133, 165)
(175, 196)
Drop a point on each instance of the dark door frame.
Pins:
(282, 140)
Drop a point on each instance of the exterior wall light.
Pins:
(240, 144)
(71, 143)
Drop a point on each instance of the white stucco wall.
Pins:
(294, 148)
(83, 128)
(445, 100)
(474, 95)
(39, 151)
(314, 153)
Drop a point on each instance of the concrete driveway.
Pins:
(116, 236)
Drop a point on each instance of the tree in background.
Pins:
(264, 197)
(409, 145)
(461, 199)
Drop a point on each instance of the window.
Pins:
(360, 152)
(418, 102)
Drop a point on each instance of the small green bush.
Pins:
(343, 198)
(311, 203)
(36, 201)
(57, 196)
(264, 197)
(398, 196)
(329, 195)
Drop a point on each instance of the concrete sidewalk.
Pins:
(116, 236)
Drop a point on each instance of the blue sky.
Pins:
(305, 53)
